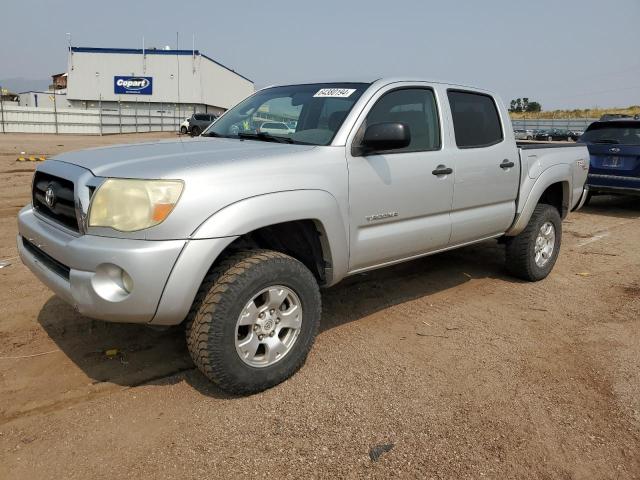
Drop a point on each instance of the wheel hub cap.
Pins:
(268, 326)
(545, 244)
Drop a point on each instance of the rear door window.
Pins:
(476, 121)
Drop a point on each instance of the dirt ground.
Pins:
(443, 367)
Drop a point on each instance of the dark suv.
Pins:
(614, 147)
(199, 121)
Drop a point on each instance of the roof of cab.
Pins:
(384, 81)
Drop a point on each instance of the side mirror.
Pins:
(381, 137)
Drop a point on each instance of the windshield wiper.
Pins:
(606, 140)
(267, 137)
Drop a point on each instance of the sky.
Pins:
(561, 53)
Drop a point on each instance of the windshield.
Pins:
(623, 133)
(306, 114)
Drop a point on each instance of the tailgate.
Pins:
(623, 160)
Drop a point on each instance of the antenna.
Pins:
(70, 53)
(144, 58)
(193, 56)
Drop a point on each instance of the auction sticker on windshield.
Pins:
(335, 92)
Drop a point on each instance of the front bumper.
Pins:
(92, 262)
(85, 271)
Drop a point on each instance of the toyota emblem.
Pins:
(49, 196)
(614, 150)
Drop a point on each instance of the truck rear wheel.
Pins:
(532, 254)
(254, 320)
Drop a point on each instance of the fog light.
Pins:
(127, 282)
(111, 282)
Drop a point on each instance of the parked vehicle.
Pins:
(614, 147)
(618, 116)
(575, 134)
(554, 134)
(184, 126)
(234, 232)
(199, 122)
(274, 128)
(523, 134)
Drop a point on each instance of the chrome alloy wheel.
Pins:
(268, 326)
(545, 243)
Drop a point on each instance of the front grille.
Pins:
(63, 208)
(51, 263)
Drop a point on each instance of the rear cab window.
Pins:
(476, 121)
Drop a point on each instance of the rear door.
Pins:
(487, 168)
(398, 206)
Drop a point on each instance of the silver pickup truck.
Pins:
(234, 232)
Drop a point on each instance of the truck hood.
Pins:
(173, 158)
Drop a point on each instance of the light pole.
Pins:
(2, 109)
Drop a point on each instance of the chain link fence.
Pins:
(98, 121)
(573, 124)
(162, 118)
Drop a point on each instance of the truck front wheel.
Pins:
(254, 320)
(532, 254)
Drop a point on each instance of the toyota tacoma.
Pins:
(234, 232)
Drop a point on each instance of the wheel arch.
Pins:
(244, 224)
(300, 212)
(552, 187)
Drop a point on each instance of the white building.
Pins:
(172, 80)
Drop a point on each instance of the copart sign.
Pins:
(133, 85)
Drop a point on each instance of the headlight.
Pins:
(130, 205)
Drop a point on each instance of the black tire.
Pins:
(183, 130)
(520, 250)
(211, 324)
(195, 131)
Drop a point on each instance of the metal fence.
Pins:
(99, 121)
(160, 118)
(573, 124)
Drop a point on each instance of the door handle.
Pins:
(442, 170)
(507, 164)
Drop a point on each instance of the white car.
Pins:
(184, 126)
(274, 128)
(523, 134)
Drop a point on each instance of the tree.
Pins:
(519, 105)
(534, 107)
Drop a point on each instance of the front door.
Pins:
(399, 203)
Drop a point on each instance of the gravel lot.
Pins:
(439, 368)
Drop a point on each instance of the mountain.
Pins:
(17, 85)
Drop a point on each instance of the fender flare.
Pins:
(252, 213)
(554, 174)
